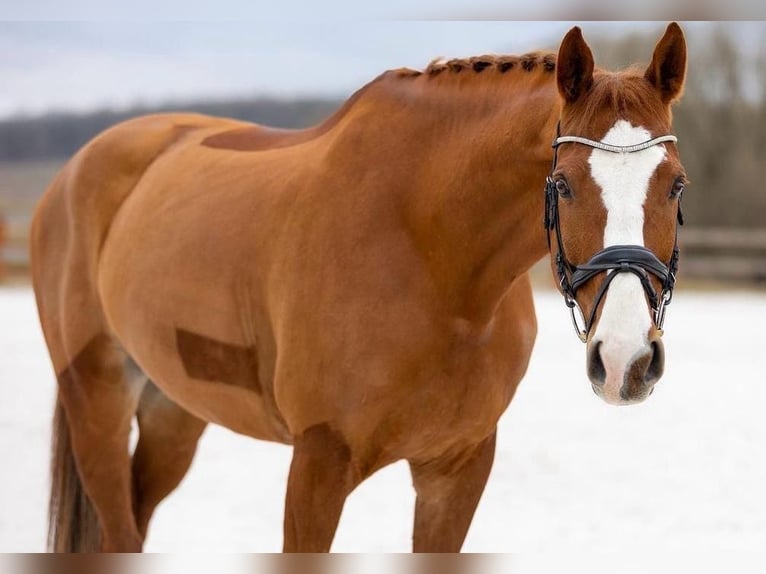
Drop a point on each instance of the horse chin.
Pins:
(619, 399)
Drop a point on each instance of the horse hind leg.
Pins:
(99, 399)
(167, 441)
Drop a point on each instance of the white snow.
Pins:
(684, 471)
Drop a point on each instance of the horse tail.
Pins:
(72, 521)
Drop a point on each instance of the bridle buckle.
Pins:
(659, 314)
(581, 326)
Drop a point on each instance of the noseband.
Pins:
(614, 260)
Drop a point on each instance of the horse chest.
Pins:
(471, 385)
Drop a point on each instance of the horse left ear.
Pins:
(668, 68)
(574, 66)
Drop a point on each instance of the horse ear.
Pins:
(668, 68)
(574, 66)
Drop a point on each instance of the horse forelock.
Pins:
(614, 96)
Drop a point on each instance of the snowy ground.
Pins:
(684, 471)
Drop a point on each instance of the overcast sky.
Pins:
(77, 66)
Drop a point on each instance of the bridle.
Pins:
(614, 260)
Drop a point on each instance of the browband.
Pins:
(614, 148)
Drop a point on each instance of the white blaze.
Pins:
(625, 317)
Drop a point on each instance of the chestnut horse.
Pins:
(357, 290)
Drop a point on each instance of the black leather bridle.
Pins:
(614, 260)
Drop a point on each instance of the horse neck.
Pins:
(471, 165)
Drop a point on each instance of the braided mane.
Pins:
(484, 64)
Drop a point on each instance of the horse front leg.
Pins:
(321, 477)
(448, 492)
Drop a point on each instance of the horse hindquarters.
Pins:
(99, 386)
(91, 463)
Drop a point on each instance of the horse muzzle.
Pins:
(620, 382)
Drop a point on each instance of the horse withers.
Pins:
(357, 290)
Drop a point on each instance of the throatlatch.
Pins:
(614, 260)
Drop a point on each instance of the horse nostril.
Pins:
(596, 369)
(657, 364)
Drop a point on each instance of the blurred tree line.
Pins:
(721, 124)
(59, 135)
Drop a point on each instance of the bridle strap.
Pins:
(615, 148)
(633, 258)
(615, 259)
(623, 259)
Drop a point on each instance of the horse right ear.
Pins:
(574, 67)
(668, 68)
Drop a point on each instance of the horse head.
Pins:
(613, 206)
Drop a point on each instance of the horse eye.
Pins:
(678, 188)
(562, 187)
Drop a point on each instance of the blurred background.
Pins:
(63, 82)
